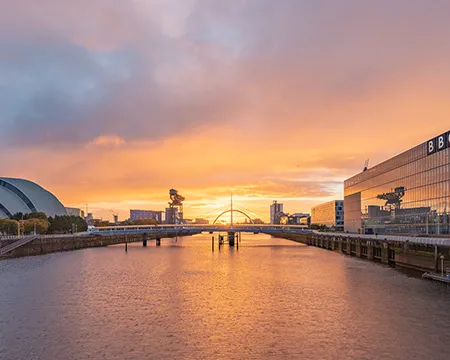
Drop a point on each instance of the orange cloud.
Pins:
(113, 104)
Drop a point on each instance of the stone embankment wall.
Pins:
(47, 244)
(404, 254)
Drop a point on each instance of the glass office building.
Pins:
(408, 194)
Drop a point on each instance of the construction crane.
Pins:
(115, 216)
(176, 207)
(394, 198)
(366, 165)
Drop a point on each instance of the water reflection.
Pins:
(270, 299)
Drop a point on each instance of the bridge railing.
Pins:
(194, 227)
(396, 238)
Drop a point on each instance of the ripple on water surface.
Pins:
(269, 299)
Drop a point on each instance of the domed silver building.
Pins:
(19, 195)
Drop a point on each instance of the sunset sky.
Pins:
(112, 103)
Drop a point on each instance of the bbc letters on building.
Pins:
(439, 143)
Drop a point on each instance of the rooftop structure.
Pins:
(24, 196)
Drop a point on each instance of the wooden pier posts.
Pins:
(144, 240)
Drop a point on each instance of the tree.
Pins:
(35, 215)
(41, 226)
(64, 224)
(17, 216)
(318, 227)
(8, 227)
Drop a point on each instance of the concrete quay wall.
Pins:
(50, 244)
(422, 257)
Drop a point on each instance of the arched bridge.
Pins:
(232, 211)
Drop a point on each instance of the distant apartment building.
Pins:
(74, 212)
(305, 220)
(276, 212)
(330, 214)
(89, 218)
(146, 214)
(299, 219)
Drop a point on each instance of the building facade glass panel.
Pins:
(408, 194)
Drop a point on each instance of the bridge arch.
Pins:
(234, 210)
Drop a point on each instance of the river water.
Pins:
(269, 299)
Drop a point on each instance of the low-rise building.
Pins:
(75, 212)
(146, 214)
(330, 214)
(298, 219)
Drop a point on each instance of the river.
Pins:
(269, 299)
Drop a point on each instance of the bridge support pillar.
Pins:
(339, 244)
(144, 240)
(369, 250)
(158, 242)
(231, 238)
(385, 253)
(358, 248)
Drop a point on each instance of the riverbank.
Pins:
(50, 244)
(421, 257)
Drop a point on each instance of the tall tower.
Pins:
(174, 214)
(276, 212)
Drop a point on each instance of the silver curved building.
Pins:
(19, 195)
